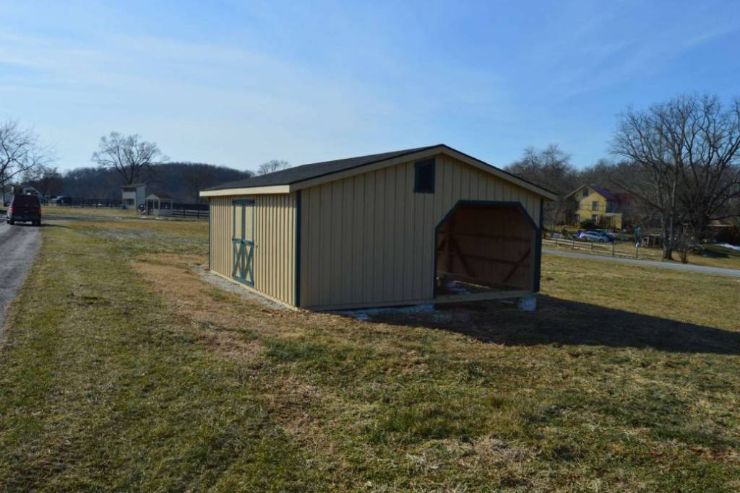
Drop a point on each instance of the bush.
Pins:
(588, 224)
(728, 235)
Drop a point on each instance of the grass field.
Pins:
(716, 257)
(123, 370)
(106, 212)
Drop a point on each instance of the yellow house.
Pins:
(598, 205)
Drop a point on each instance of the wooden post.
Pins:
(613, 242)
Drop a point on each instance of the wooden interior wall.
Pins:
(487, 245)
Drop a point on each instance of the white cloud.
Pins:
(194, 95)
(215, 102)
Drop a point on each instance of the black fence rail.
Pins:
(94, 203)
(186, 213)
(178, 210)
(190, 206)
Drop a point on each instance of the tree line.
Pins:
(119, 160)
(679, 162)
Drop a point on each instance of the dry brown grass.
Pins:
(219, 328)
(627, 250)
(125, 370)
(312, 413)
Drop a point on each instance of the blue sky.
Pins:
(239, 83)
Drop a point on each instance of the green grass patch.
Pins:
(113, 378)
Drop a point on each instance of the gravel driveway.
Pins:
(18, 247)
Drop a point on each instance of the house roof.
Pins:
(160, 195)
(299, 174)
(607, 194)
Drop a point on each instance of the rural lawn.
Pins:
(122, 369)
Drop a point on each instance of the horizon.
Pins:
(238, 85)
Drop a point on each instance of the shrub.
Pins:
(588, 224)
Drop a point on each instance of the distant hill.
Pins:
(181, 181)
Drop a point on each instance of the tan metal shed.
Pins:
(423, 225)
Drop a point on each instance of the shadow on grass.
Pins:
(561, 322)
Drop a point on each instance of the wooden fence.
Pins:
(185, 213)
(614, 249)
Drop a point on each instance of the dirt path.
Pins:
(18, 247)
(699, 269)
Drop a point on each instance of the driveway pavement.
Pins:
(18, 247)
(715, 271)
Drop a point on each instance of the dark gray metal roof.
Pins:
(161, 195)
(314, 170)
(607, 194)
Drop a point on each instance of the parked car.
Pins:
(61, 200)
(608, 234)
(24, 208)
(594, 236)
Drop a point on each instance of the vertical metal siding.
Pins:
(274, 230)
(369, 239)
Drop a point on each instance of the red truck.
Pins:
(24, 208)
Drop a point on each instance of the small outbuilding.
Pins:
(159, 204)
(134, 195)
(423, 225)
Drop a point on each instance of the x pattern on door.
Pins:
(243, 241)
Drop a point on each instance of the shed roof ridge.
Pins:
(311, 171)
(295, 174)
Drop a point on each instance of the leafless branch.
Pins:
(20, 152)
(128, 155)
(272, 166)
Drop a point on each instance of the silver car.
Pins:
(593, 236)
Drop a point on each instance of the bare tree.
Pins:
(551, 169)
(687, 157)
(129, 156)
(622, 177)
(20, 152)
(272, 166)
(710, 177)
(45, 179)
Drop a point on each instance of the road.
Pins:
(18, 247)
(700, 269)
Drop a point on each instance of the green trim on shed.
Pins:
(538, 251)
(297, 253)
